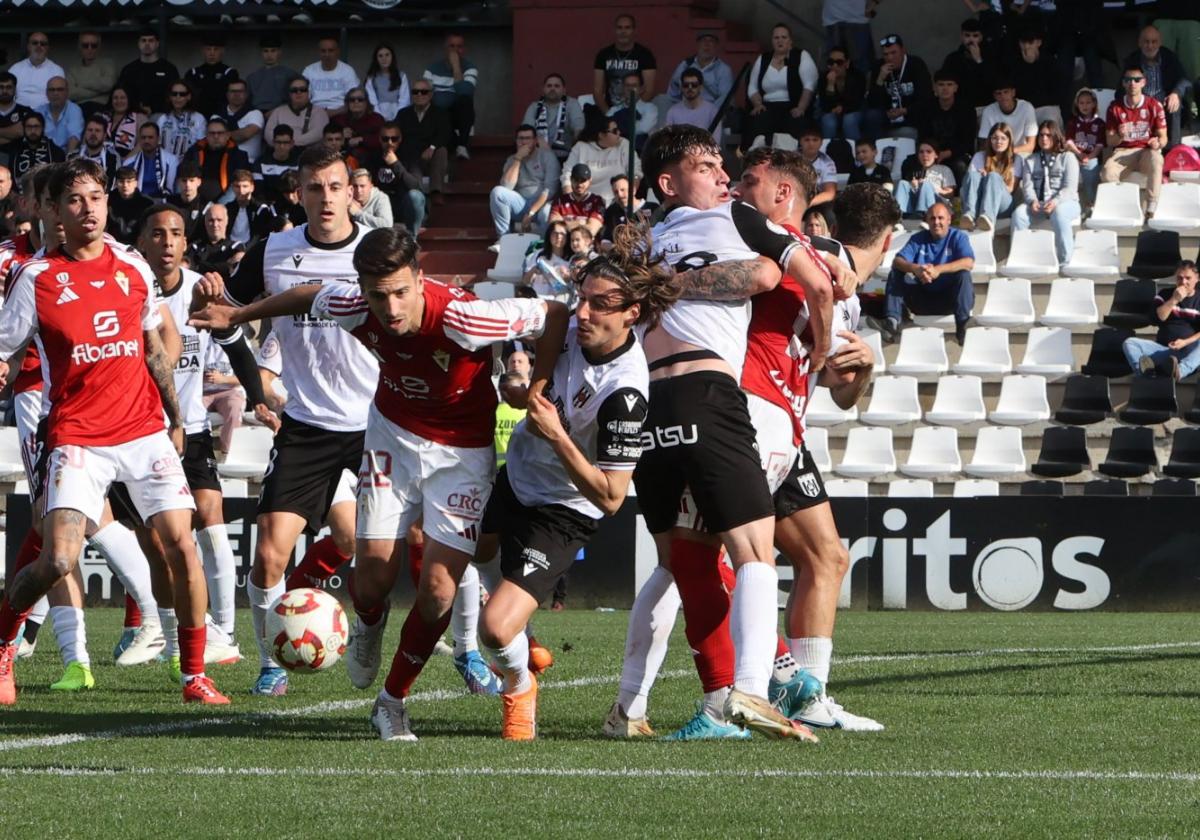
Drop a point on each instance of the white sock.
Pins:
(813, 654)
(71, 633)
(489, 574)
(785, 668)
(464, 615)
(260, 599)
(119, 548)
(40, 610)
(753, 623)
(714, 704)
(513, 661)
(650, 624)
(220, 570)
(170, 628)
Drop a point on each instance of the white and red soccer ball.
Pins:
(306, 630)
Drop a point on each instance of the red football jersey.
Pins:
(1135, 126)
(13, 254)
(437, 383)
(87, 318)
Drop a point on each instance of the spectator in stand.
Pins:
(182, 126)
(579, 243)
(34, 148)
(453, 78)
(283, 157)
(386, 84)
(992, 180)
(64, 119)
(821, 163)
(973, 65)
(931, 275)
(1017, 114)
(547, 270)
(269, 83)
(1085, 139)
(510, 411)
(360, 124)
(368, 206)
(521, 201)
(306, 119)
(1136, 132)
(211, 79)
(215, 251)
(124, 122)
(12, 116)
(819, 221)
(8, 203)
(330, 78)
(780, 90)
(693, 108)
(624, 55)
(847, 25)
(924, 181)
(1175, 350)
(148, 79)
(900, 94)
(579, 205)
(715, 75)
(426, 137)
(222, 394)
(645, 116)
(154, 167)
(1050, 188)
(96, 149)
(951, 125)
(841, 97)
(218, 158)
(188, 199)
(245, 123)
(35, 72)
(289, 211)
(250, 219)
(335, 138)
(605, 153)
(1166, 80)
(393, 179)
(125, 207)
(92, 76)
(556, 118)
(617, 212)
(868, 171)
(1034, 73)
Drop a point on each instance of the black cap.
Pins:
(971, 25)
(581, 172)
(270, 39)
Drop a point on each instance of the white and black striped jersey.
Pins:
(602, 403)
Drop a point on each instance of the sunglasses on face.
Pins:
(687, 85)
(836, 62)
(39, 43)
(389, 138)
(421, 92)
(89, 45)
(56, 90)
(297, 90)
(180, 93)
(357, 99)
(1132, 79)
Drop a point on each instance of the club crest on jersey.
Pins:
(581, 397)
(442, 359)
(372, 337)
(63, 278)
(297, 259)
(809, 485)
(122, 281)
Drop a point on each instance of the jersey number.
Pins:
(375, 469)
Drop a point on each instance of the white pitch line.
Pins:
(967, 654)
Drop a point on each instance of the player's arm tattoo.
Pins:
(733, 280)
(161, 371)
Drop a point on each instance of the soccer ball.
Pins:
(306, 630)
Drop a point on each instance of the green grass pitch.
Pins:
(1019, 725)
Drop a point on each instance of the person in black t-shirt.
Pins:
(973, 65)
(148, 78)
(952, 124)
(617, 60)
(125, 206)
(12, 116)
(1175, 350)
(868, 170)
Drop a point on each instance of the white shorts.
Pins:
(78, 477)
(773, 436)
(27, 406)
(405, 476)
(347, 489)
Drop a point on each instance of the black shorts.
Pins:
(537, 544)
(123, 508)
(200, 462)
(802, 489)
(305, 468)
(698, 435)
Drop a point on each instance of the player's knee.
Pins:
(344, 543)
(61, 562)
(491, 632)
(435, 598)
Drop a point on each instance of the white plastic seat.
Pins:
(922, 351)
(998, 453)
(11, 462)
(899, 240)
(816, 440)
(904, 147)
(823, 411)
(1022, 401)
(894, 402)
(941, 322)
(970, 488)
(1072, 303)
(846, 488)
(983, 243)
(874, 340)
(1049, 112)
(493, 291)
(985, 351)
(959, 400)
(1048, 353)
(1009, 303)
(910, 488)
(869, 453)
(1118, 208)
(934, 452)
(778, 141)
(249, 453)
(1031, 254)
(511, 259)
(1096, 256)
(1104, 98)
(235, 488)
(1178, 208)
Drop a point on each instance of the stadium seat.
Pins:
(1173, 487)
(1031, 254)
(874, 340)
(847, 488)
(235, 488)
(985, 351)
(899, 240)
(1072, 303)
(1151, 400)
(922, 351)
(1096, 255)
(910, 488)
(1132, 304)
(249, 453)
(1009, 303)
(1085, 400)
(934, 452)
(1184, 461)
(823, 411)
(1118, 208)
(941, 322)
(1050, 112)
(1105, 487)
(485, 290)
(869, 453)
(817, 442)
(510, 262)
(1104, 98)
(1022, 401)
(971, 488)
(1157, 254)
(1048, 353)
(11, 462)
(983, 243)
(1178, 209)
(959, 401)
(903, 146)
(894, 402)
(1130, 452)
(1192, 415)
(998, 453)
(1042, 488)
(1106, 358)
(1064, 452)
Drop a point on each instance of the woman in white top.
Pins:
(780, 89)
(1051, 189)
(548, 269)
(386, 84)
(605, 152)
(991, 181)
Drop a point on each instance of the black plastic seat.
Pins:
(1185, 455)
(1192, 415)
(1151, 400)
(1130, 453)
(1106, 358)
(1173, 487)
(1133, 304)
(1106, 487)
(1064, 452)
(1157, 254)
(1042, 488)
(1086, 400)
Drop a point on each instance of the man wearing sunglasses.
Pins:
(92, 76)
(426, 137)
(716, 76)
(35, 72)
(306, 119)
(693, 109)
(1137, 133)
(1166, 79)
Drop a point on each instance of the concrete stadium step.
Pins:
(473, 263)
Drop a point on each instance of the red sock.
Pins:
(133, 615)
(416, 558)
(417, 640)
(191, 649)
(369, 613)
(705, 596)
(781, 648)
(11, 619)
(322, 559)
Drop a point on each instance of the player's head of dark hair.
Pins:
(786, 164)
(670, 145)
(385, 251)
(320, 156)
(641, 279)
(158, 209)
(865, 212)
(72, 172)
(40, 179)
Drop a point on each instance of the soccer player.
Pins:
(428, 450)
(110, 380)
